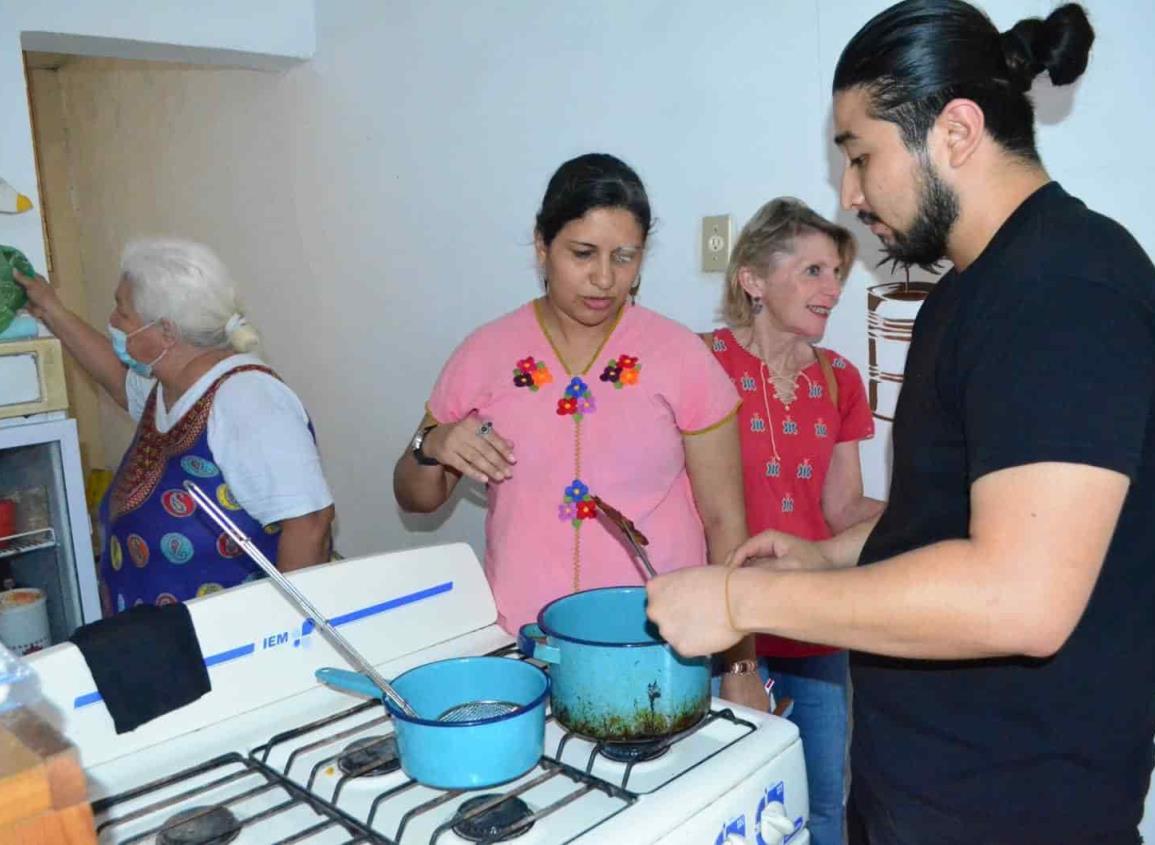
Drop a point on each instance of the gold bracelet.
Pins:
(726, 589)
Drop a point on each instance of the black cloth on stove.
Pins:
(146, 662)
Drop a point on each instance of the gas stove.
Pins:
(271, 756)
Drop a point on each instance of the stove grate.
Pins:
(328, 737)
(237, 780)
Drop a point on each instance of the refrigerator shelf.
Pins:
(27, 541)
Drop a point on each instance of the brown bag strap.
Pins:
(708, 339)
(828, 374)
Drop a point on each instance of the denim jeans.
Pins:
(819, 687)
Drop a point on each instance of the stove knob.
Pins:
(775, 825)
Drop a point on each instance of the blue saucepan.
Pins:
(470, 754)
(613, 677)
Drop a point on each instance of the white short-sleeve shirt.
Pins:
(259, 435)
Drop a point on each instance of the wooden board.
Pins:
(70, 826)
(24, 788)
(43, 798)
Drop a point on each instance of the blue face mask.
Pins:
(120, 347)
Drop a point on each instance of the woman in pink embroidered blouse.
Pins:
(581, 393)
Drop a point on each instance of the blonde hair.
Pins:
(769, 234)
(187, 284)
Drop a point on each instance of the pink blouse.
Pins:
(610, 427)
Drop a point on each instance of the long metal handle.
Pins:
(641, 553)
(294, 595)
(627, 530)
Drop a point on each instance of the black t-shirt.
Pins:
(1042, 350)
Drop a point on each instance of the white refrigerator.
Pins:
(48, 542)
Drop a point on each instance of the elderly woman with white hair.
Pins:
(178, 357)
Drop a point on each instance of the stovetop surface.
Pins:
(336, 778)
(399, 610)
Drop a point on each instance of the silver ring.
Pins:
(486, 427)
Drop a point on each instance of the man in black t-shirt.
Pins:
(1002, 612)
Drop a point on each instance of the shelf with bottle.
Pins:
(27, 541)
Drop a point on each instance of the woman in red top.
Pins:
(803, 411)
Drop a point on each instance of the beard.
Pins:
(924, 244)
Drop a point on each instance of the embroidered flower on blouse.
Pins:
(575, 388)
(621, 371)
(531, 373)
(577, 504)
(577, 401)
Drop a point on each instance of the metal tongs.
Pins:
(634, 537)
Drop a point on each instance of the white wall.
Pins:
(256, 33)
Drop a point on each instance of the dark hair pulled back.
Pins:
(918, 55)
(588, 182)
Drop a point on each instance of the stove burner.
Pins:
(483, 827)
(200, 826)
(378, 753)
(635, 752)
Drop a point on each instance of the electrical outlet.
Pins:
(715, 243)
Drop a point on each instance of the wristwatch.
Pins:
(743, 667)
(415, 447)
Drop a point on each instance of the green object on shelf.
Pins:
(12, 295)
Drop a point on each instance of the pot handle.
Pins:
(346, 681)
(533, 643)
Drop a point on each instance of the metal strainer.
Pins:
(471, 711)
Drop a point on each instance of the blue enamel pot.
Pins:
(462, 755)
(613, 677)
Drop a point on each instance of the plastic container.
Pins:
(22, 327)
(24, 620)
(18, 684)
